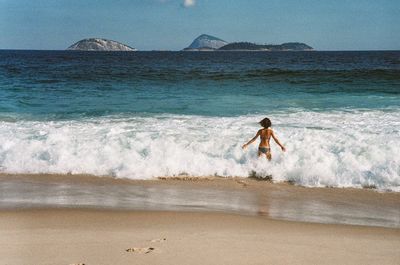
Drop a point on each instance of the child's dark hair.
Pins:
(265, 123)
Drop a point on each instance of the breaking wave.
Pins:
(338, 148)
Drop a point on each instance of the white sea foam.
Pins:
(344, 149)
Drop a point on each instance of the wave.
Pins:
(339, 149)
(241, 75)
(242, 72)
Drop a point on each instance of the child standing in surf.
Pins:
(265, 135)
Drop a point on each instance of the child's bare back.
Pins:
(265, 135)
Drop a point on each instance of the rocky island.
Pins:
(96, 44)
(206, 43)
(248, 46)
(210, 43)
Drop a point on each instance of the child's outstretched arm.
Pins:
(277, 141)
(252, 140)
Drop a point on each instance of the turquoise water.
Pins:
(148, 114)
(65, 84)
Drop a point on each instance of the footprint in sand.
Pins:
(77, 264)
(244, 184)
(140, 250)
(158, 240)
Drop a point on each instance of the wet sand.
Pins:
(77, 219)
(211, 194)
(87, 236)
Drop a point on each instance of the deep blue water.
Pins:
(65, 84)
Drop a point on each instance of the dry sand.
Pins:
(96, 237)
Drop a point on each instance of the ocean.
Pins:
(140, 115)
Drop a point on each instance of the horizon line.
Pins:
(155, 50)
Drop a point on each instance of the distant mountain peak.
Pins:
(206, 36)
(206, 42)
(98, 44)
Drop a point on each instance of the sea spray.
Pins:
(337, 148)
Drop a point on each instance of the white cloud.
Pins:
(189, 3)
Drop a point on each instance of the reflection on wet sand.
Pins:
(244, 196)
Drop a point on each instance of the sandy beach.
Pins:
(82, 236)
(243, 196)
(81, 219)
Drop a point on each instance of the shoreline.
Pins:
(89, 178)
(89, 236)
(243, 196)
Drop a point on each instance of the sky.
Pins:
(173, 24)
